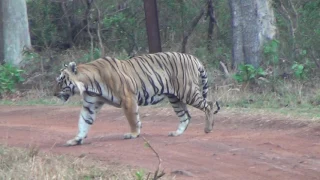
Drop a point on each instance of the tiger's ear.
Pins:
(73, 67)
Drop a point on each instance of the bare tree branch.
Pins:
(225, 69)
(88, 26)
(292, 25)
(212, 21)
(67, 18)
(190, 30)
(99, 31)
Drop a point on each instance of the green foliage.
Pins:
(9, 77)
(299, 70)
(122, 55)
(247, 73)
(44, 25)
(124, 30)
(114, 21)
(31, 57)
(271, 51)
(140, 174)
(123, 26)
(88, 57)
(303, 47)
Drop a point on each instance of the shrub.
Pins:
(247, 73)
(10, 76)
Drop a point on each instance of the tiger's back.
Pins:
(157, 74)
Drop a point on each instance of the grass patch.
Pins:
(292, 98)
(288, 105)
(46, 100)
(18, 163)
(301, 114)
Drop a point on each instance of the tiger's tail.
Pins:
(205, 88)
(204, 80)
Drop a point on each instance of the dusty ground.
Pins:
(242, 145)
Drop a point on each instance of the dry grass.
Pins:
(16, 163)
(289, 97)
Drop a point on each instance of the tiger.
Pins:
(140, 81)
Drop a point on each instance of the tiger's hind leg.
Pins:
(181, 110)
(206, 106)
(130, 108)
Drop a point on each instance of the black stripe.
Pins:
(181, 115)
(140, 100)
(88, 109)
(98, 87)
(177, 112)
(185, 121)
(88, 121)
(174, 100)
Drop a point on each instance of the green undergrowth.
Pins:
(271, 103)
(248, 103)
(302, 113)
(286, 97)
(40, 101)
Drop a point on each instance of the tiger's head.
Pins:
(64, 87)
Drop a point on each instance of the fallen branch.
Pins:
(156, 176)
(225, 69)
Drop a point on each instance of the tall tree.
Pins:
(152, 24)
(14, 30)
(212, 20)
(1, 36)
(252, 25)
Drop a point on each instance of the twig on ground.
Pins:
(156, 176)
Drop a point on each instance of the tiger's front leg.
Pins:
(88, 114)
(130, 108)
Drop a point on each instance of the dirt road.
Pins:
(242, 145)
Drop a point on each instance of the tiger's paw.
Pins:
(173, 134)
(74, 142)
(209, 125)
(131, 135)
(208, 129)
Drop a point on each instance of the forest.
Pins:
(258, 46)
(263, 63)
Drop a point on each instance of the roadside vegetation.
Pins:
(17, 163)
(30, 163)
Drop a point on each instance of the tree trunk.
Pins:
(1, 36)
(68, 24)
(237, 49)
(152, 24)
(14, 30)
(250, 32)
(252, 24)
(210, 14)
